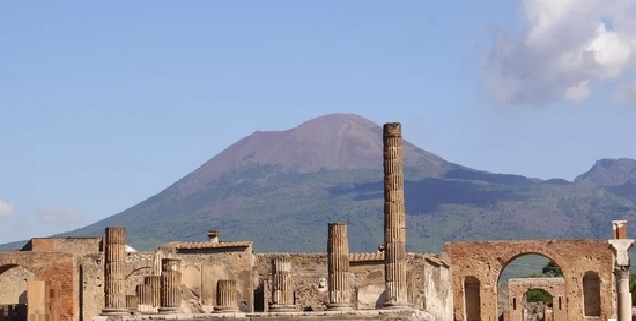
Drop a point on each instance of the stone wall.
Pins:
(44, 266)
(202, 268)
(75, 245)
(138, 265)
(432, 284)
(91, 285)
(518, 287)
(431, 281)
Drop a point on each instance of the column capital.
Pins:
(620, 248)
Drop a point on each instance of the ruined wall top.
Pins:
(77, 245)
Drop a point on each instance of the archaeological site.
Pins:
(99, 278)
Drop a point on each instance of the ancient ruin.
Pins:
(96, 278)
(394, 219)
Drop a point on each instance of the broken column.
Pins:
(226, 299)
(143, 297)
(282, 289)
(153, 286)
(621, 245)
(338, 267)
(394, 220)
(115, 271)
(170, 286)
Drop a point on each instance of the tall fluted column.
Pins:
(153, 286)
(394, 220)
(142, 297)
(338, 267)
(170, 285)
(226, 299)
(282, 289)
(621, 245)
(115, 271)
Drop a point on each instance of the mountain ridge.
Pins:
(329, 168)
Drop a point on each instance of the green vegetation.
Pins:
(539, 295)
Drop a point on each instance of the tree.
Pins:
(552, 270)
(539, 295)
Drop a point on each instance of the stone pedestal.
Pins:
(394, 220)
(226, 299)
(115, 271)
(338, 267)
(170, 286)
(282, 287)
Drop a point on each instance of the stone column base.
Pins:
(282, 308)
(221, 309)
(115, 312)
(168, 310)
(339, 307)
(395, 305)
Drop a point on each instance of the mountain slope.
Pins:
(281, 188)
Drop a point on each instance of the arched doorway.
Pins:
(485, 260)
(13, 282)
(526, 289)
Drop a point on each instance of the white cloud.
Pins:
(6, 209)
(57, 216)
(568, 45)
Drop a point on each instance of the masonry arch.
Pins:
(485, 260)
(48, 266)
(13, 282)
(554, 286)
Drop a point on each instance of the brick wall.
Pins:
(48, 266)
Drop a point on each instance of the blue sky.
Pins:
(104, 105)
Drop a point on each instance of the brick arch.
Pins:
(517, 287)
(549, 254)
(486, 260)
(49, 266)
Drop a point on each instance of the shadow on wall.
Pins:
(379, 303)
(425, 196)
(23, 298)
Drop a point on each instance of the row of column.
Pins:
(157, 293)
